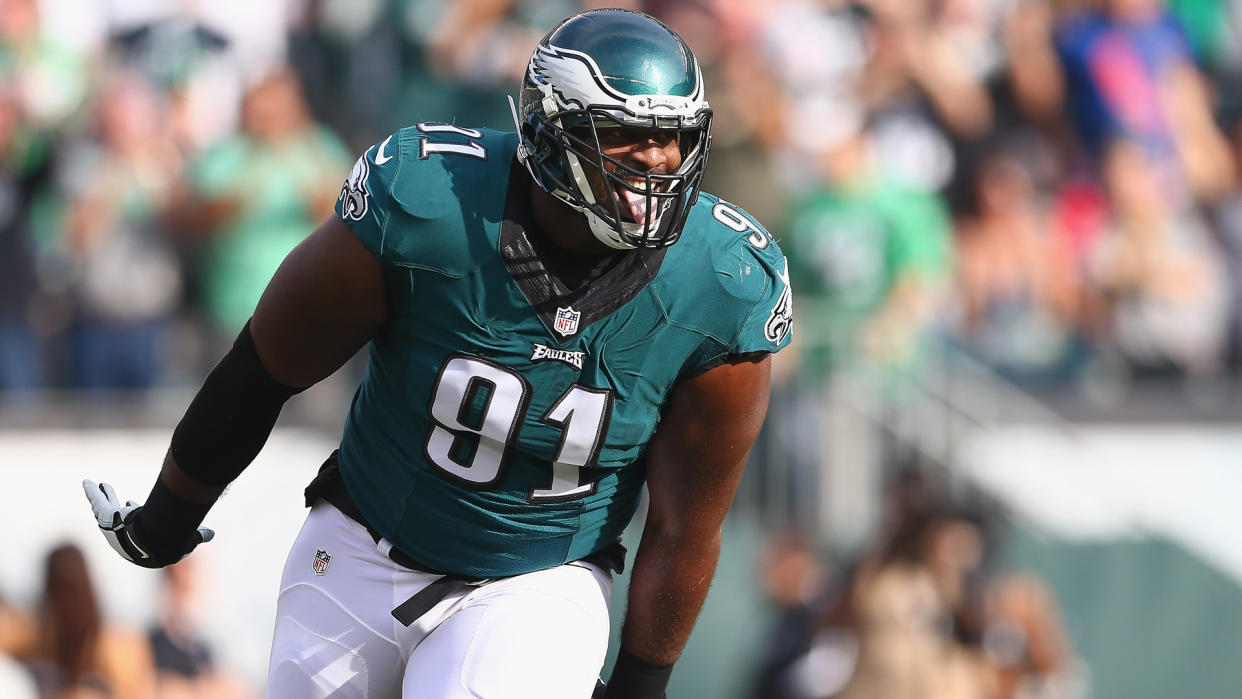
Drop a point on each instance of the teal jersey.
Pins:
(502, 422)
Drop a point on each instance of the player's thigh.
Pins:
(334, 632)
(540, 636)
(319, 651)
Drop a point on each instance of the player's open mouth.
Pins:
(636, 206)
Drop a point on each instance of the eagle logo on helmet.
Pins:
(572, 75)
(577, 82)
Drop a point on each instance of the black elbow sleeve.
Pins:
(230, 419)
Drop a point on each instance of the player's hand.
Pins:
(116, 521)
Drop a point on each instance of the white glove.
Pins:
(117, 524)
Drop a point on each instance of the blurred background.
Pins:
(1002, 458)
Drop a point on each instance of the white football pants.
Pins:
(540, 635)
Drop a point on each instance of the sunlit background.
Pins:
(1002, 459)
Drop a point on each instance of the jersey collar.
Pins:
(613, 284)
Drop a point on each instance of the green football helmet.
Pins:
(615, 69)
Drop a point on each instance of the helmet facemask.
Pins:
(626, 207)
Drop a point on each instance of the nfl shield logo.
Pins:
(566, 321)
(320, 564)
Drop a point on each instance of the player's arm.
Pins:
(323, 304)
(694, 463)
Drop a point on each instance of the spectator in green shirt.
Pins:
(253, 197)
(868, 255)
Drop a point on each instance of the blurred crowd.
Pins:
(66, 649)
(925, 612)
(1048, 186)
(149, 186)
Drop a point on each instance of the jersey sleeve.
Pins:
(366, 197)
(769, 325)
(742, 301)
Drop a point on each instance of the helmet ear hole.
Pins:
(542, 140)
(531, 134)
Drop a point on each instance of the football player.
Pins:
(554, 317)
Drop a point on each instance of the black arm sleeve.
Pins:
(230, 419)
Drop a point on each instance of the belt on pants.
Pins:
(422, 601)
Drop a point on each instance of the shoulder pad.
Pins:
(441, 164)
(427, 171)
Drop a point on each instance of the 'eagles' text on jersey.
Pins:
(502, 422)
